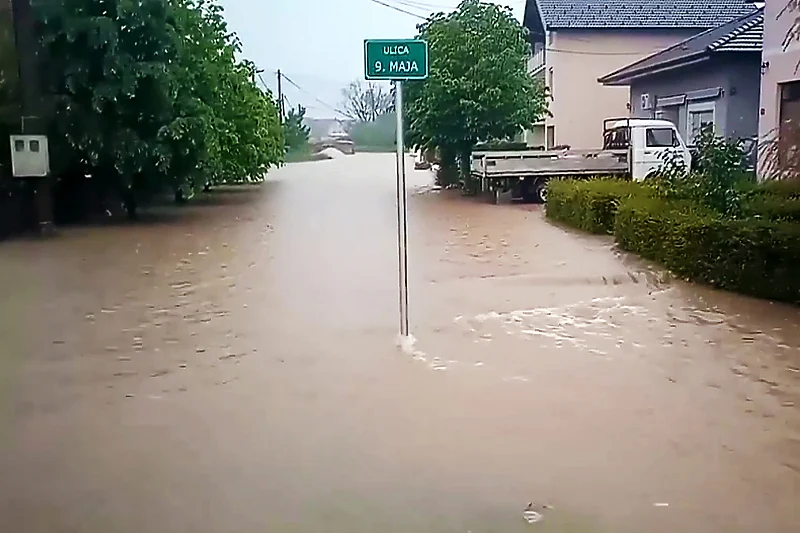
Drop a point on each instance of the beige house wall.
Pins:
(575, 59)
(778, 66)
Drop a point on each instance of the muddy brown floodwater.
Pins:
(232, 368)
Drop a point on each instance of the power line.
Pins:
(261, 79)
(398, 9)
(559, 50)
(423, 5)
(639, 53)
(301, 89)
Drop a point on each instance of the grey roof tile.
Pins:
(587, 14)
(744, 34)
(747, 37)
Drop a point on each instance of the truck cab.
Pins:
(648, 142)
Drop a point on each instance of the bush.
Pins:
(590, 205)
(719, 167)
(784, 188)
(771, 200)
(771, 207)
(751, 256)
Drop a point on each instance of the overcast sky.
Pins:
(319, 43)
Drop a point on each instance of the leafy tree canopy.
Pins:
(479, 87)
(149, 96)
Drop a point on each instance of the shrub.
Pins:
(771, 200)
(785, 188)
(751, 256)
(589, 205)
(719, 166)
(771, 207)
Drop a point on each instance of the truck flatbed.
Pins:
(488, 165)
(632, 148)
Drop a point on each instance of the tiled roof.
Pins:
(745, 34)
(748, 36)
(586, 14)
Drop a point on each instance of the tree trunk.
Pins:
(470, 185)
(131, 205)
(448, 167)
(180, 198)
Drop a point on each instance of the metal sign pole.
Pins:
(402, 224)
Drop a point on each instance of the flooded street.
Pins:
(232, 368)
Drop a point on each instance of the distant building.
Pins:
(324, 128)
(713, 78)
(579, 41)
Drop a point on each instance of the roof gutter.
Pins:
(628, 77)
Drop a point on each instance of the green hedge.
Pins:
(758, 254)
(771, 207)
(590, 205)
(772, 200)
(752, 256)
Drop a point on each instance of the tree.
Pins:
(295, 132)
(365, 103)
(479, 88)
(224, 128)
(149, 96)
(108, 77)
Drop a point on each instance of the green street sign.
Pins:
(396, 59)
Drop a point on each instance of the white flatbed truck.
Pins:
(632, 148)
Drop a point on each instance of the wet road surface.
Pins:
(232, 368)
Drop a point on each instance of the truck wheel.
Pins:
(540, 192)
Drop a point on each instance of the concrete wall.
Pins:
(535, 137)
(736, 105)
(743, 94)
(575, 59)
(781, 64)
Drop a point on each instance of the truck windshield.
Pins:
(617, 138)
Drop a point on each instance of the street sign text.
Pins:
(396, 60)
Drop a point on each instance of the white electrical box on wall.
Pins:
(30, 156)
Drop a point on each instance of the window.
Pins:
(660, 138)
(616, 139)
(550, 81)
(699, 116)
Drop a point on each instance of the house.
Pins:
(780, 79)
(327, 128)
(575, 43)
(711, 78)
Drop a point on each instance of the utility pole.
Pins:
(31, 104)
(280, 96)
